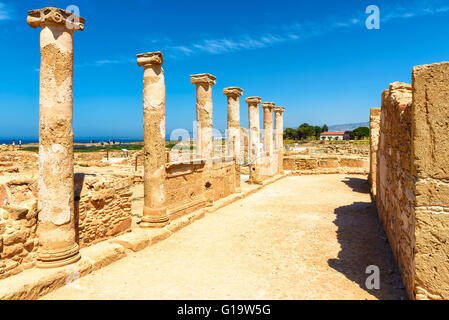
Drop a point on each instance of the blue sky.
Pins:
(315, 58)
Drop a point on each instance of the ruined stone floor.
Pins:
(307, 237)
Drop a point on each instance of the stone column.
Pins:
(233, 94)
(279, 134)
(155, 209)
(254, 138)
(268, 127)
(268, 161)
(56, 228)
(204, 108)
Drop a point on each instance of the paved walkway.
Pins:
(308, 237)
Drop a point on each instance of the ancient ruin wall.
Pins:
(187, 184)
(18, 224)
(374, 124)
(223, 179)
(308, 165)
(394, 177)
(102, 209)
(430, 154)
(17, 161)
(185, 188)
(413, 179)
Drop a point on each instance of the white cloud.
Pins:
(300, 31)
(105, 62)
(4, 13)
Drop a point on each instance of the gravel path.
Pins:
(307, 237)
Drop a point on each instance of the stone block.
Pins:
(135, 241)
(15, 212)
(103, 254)
(430, 125)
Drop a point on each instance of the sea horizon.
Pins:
(25, 140)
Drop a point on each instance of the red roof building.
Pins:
(336, 135)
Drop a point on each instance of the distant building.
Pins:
(338, 135)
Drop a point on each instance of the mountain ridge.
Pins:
(348, 126)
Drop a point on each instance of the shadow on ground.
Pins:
(364, 243)
(357, 184)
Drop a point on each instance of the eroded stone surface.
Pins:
(233, 134)
(57, 237)
(412, 179)
(279, 136)
(254, 153)
(204, 109)
(155, 208)
(374, 123)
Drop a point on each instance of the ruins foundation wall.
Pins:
(187, 184)
(309, 165)
(185, 187)
(17, 161)
(103, 207)
(394, 197)
(223, 179)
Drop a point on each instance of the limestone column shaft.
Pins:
(56, 227)
(204, 108)
(279, 134)
(155, 209)
(254, 136)
(268, 127)
(233, 134)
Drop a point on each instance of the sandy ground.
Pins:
(308, 237)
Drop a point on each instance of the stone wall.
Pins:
(223, 179)
(394, 180)
(413, 179)
(18, 224)
(187, 184)
(430, 132)
(185, 187)
(304, 165)
(102, 208)
(17, 161)
(374, 125)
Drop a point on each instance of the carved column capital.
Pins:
(150, 59)
(54, 16)
(233, 92)
(203, 78)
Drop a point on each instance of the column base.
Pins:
(255, 177)
(58, 258)
(154, 218)
(209, 197)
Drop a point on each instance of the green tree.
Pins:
(325, 128)
(317, 132)
(361, 132)
(305, 131)
(290, 134)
